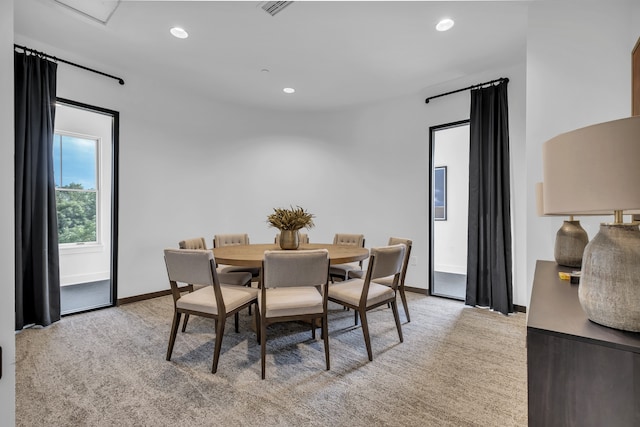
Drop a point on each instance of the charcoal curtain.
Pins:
(489, 263)
(36, 229)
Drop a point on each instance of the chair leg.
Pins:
(325, 336)
(256, 315)
(313, 329)
(263, 345)
(218, 344)
(365, 332)
(184, 323)
(174, 332)
(404, 304)
(236, 318)
(394, 307)
(355, 317)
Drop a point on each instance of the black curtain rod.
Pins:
(26, 49)
(500, 80)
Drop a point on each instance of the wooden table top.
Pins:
(251, 255)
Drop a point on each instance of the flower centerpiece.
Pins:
(289, 221)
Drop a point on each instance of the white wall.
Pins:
(451, 149)
(7, 260)
(578, 73)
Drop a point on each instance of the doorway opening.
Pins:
(85, 156)
(448, 215)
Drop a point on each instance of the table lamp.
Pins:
(595, 170)
(571, 238)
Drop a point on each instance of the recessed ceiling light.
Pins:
(445, 24)
(179, 33)
(288, 90)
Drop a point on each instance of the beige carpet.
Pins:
(458, 366)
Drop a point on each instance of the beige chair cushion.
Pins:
(350, 291)
(387, 281)
(204, 299)
(238, 278)
(292, 301)
(344, 269)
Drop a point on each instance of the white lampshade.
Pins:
(593, 170)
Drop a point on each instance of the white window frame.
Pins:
(97, 246)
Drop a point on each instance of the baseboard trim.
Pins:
(520, 308)
(144, 297)
(417, 290)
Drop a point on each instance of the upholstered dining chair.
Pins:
(346, 271)
(294, 287)
(214, 300)
(220, 240)
(233, 278)
(389, 280)
(365, 294)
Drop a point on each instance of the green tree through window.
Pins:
(75, 167)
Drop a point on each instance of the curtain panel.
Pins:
(489, 262)
(36, 229)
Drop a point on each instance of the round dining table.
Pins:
(252, 255)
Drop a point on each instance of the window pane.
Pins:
(76, 216)
(79, 163)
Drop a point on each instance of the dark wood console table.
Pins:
(579, 373)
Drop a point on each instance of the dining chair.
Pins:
(346, 271)
(294, 287)
(303, 238)
(232, 278)
(365, 294)
(389, 280)
(221, 240)
(214, 300)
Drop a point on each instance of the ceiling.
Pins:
(334, 53)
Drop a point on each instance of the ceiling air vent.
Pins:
(273, 7)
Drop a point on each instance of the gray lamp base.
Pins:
(571, 240)
(609, 289)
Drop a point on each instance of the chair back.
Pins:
(407, 254)
(386, 261)
(190, 266)
(195, 243)
(295, 268)
(220, 240)
(349, 239)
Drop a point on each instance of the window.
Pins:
(75, 166)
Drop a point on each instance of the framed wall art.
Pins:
(440, 193)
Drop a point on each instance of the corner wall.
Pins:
(578, 74)
(191, 166)
(7, 236)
